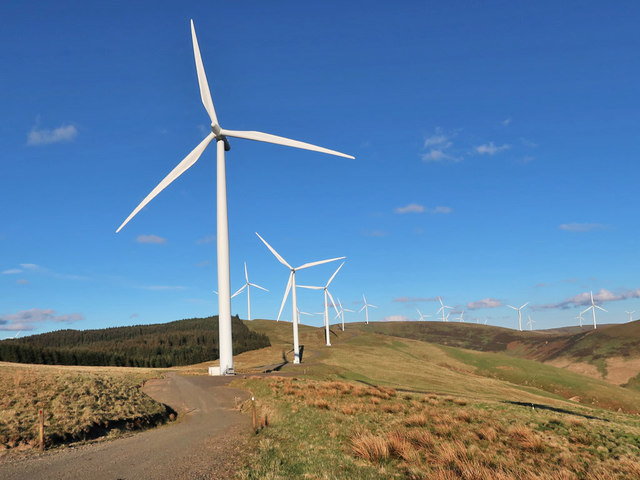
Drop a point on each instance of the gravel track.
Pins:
(207, 441)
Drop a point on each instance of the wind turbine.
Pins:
(247, 286)
(366, 308)
(341, 313)
(593, 310)
(446, 319)
(630, 314)
(291, 284)
(519, 314)
(442, 309)
(422, 317)
(222, 144)
(300, 312)
(16, 335)
(530, 322)
(579, 317)
(326, 303)
(460, 317)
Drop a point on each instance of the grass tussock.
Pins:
(372, 432)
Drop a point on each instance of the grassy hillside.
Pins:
(182, 342)
(380, 406)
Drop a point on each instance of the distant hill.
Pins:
(611, 352)
(182, 342)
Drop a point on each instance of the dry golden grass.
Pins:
(77, 402)
(447, 438)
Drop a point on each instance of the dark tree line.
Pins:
(182, 342)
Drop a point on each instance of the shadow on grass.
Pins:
(554, 409)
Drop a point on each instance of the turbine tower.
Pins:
(341, 313)
(593, 310)
(579, 317)
(422, 317)
(630, 314)
(326, 303)
(291, 284)
(247, 285)
(366, 308)
(222, 144)
(442, 309)
(519, 314)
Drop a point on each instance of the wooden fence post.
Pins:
(41, 419)
(254, 418)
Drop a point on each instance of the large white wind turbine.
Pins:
(442, 309)
(519, 314)
(593, 310)
(366, 308)
(630, 314)
(422, 316)
(220, 135)
(248, 285)
(326, 303)
(291, 285)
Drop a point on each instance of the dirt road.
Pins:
(205, 443)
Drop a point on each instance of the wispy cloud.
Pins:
(506, 122)
(411, 208)
(27, 319)
(204, 263)
(133, 315)
(395, 318)
(584, 299)
(490, 148)
(12, 271)
(441, 210)
(153, 239)
(438, 146)
(22, 281)
(43, 136)
(208, 239)
(415, 299)
(484, 303)
(581, 227)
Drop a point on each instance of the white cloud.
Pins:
(153, 239)
(581, 227)
(395, 318)
(438, 155)
(64, 133)
(506, 122)
(490, 148)
(584, 299)
(208, 239)
(411, 208)
(26, 319)
(30, 266)
(441, 209)
(484, 303)
(437, 139)
(12, 271)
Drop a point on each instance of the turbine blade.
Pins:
(246, 275)
(205, 94)
(332, 301)
(334, 274)
(581, 313)
(277, 255)
(258, 286)
(238, 292)
(182, 167)
(524, 305)
(216, 292)
(310, 287)
(347, 310)
(286, 294)
(313, 264)
(600, 308)
(287, 142)
(362, 309)
(440, 309)
(512, 307)
(373, 306)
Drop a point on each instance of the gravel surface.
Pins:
(206, 442)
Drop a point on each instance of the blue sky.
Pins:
(495, 142)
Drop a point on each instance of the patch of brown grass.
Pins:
(370, 447)
(416, 420)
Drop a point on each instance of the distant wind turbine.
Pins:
(530, 322)
(366, 308)
(247, 285)
(222, 144)
(579, 317)
(291, 285)
(341, 313)
(442, 309)
(593, 310)
(519, 314)
(460, 318)
(630, 314)
(16, 335)
(422, 316)
(327, 293)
